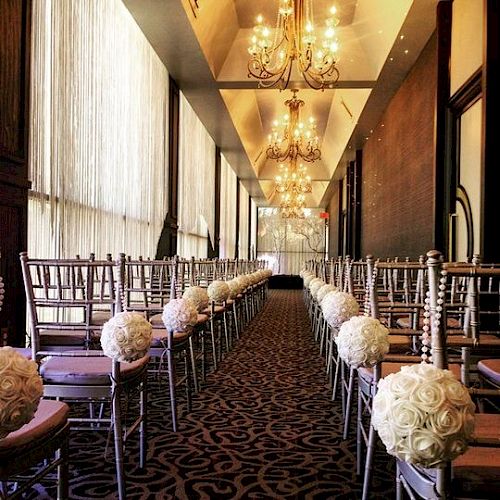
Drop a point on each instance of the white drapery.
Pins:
(244, 223)
(98, 135)
(253, 229)
(196, 184)
(227, 234)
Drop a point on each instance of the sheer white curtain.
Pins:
(227, 235)
(253, 229)
(196, 184)
(244, 222)
(99, 138)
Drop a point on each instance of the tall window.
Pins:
(196, 183)
(228, 211)
(99, 138)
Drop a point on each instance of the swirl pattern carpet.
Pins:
(263, 427)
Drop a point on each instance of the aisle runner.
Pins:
(263, 427)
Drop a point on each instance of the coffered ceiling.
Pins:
(204, 44)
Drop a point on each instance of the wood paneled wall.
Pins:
(398, 161)
(14, 78)
(333, 221)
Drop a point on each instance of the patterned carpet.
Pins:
(263, 427)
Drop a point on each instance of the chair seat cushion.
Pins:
(24, 351)
(59, 337)
(490, 369)
(476, 473)
(388, 368)
(49, 417)
(159, 338)
(100, 317)
(85, 370)
(217, 310)
(405, 322)
(487, 427)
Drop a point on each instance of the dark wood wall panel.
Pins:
(333, 221)
(398, 162)
(14, 78)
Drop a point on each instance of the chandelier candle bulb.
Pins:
(294, 42)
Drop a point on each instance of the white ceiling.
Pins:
(205, 51)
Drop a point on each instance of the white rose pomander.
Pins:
(218, 291)
(308, 278)
(20, 390)
(126, 336)
(234, 288)
(339, 307)
(325, 289)
(198, 296)
(423, 415)
(314, 287)
(362, 341)
(179, 314)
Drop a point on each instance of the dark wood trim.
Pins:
(249, 225)
(237, 246)
(350, 208)
(357, 178)
(490, 207)
(340, 232)
(442, 172)
(167, 244)
(467, 94)
(15, 37)
(214, 251)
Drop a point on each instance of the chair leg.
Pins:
(370, 451)
(226, 331)
(350, 390)
(235, 317)
(143, 407)
(63, 472)
(399, 485)
(193, 366)
(171, 384)
(214, 344)
(118, 431)
(359, 423)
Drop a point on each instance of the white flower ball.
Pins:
(20, 390)
(423, 415)
(218, 291)
(198, 296)
(242, 283)
(362, 341)
(314, 287)
(338, 307)
(308, 278)
(323, 291)
(269, 272)
(234, 288)
(126, 336)
(179, 314)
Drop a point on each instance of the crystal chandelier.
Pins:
(295, 38)
(292, 206)
(291, 138)
(295, 182)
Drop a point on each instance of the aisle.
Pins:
(263, 427)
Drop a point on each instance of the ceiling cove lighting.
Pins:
(292, 139)
(295, 38)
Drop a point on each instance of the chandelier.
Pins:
(291, 138)
(295, 182)
(295, 38)
(292, 206)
